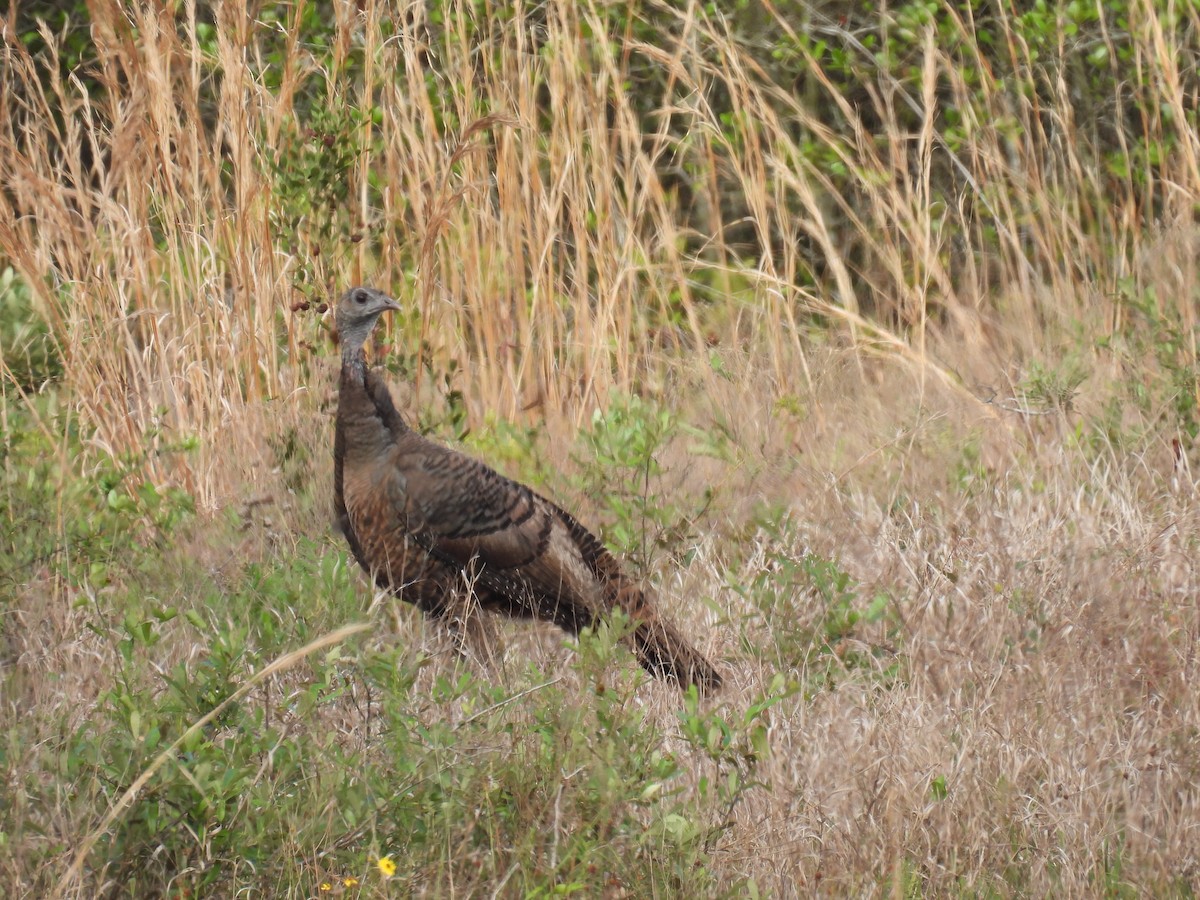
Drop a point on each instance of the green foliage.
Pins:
(511, 448)
(971, 476)
(999, 70)
(293, 457)
(68, 20)
(735, 745)
(908, 881)
(313, 211)
(547, 793)
(413, 362)
(76, 528)
(27, 348)
(1108, 875)
(817, 619)
(621, 469)
(1161, 332)
(1052, 388)
(205, 813)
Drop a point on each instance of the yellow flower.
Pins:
(325, 886)
(350, 881)
(387, 866)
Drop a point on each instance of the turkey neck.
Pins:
(354, 333)
(360, 421)
(354, 364)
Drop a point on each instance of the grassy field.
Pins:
(870, 340)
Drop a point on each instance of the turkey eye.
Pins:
(360, 297)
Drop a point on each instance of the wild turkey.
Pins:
(428, 523)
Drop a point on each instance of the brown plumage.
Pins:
(429, 523)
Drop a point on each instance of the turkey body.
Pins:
(428, 523)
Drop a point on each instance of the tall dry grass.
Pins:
(515, 194)
(859, 308)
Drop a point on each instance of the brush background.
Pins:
(868, 335)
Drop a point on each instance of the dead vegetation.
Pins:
(923, 486)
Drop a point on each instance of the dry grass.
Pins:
(889, 370)
(541, 243)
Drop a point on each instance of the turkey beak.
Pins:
(392, 305)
